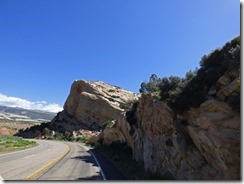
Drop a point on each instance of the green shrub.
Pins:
(182, 93)
(151, 86)
(12, 143)
(107, 124)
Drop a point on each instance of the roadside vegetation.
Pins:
(107, 124)
(66, 136)
(10, 143)
(190, 91)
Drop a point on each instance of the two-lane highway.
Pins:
(79, 164)
(51, 160)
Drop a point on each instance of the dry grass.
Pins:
(11, 143)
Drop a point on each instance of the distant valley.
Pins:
(24, 115)
(12, 119)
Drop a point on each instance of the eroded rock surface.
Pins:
(93, 103)
(90, 104)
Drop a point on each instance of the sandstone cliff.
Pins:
(93, 103)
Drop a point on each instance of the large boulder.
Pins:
(93, 103)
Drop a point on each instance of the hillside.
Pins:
(20, 114)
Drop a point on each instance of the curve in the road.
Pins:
(18, 165)
(47, 166)
(78, 164)
(56, 160)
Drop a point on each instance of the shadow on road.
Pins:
(95, 177)
(86, 159)
(110, 171)
(90, 160)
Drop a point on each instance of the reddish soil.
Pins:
(4, 131)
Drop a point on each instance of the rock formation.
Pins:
(93, 103)
(90, 104)
(201, 143)
(204, 143)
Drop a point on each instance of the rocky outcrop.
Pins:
(215, 130)
(204, 143)
(90, 104)
(119, 133)
(200, 144)
(228, 84)
(93, 103)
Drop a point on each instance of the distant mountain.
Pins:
(26, 115)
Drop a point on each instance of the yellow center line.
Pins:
(45, 167)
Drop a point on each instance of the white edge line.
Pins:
(1, 178)
(102, 173)
(30, 156)
(103, 176)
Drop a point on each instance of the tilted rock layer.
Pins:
(90, 104)
(202, 144)
(93, 103)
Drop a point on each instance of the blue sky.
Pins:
(47, 44)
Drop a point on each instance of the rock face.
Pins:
(90, 104)
(215, 131)
(202, 143)
(93, 103)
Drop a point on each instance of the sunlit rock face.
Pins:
(90, 104)
(93, 103)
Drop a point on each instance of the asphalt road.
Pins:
(51, 160)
